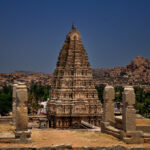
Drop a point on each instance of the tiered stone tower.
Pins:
(73, 96)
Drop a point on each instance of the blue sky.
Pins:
(32, 32)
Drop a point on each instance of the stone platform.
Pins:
(8, 137)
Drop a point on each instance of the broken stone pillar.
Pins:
(108, 110)
(21, 133)
(129, 133)
(14, 104)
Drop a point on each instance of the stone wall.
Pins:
(118, 123)
(5, 119)
(143, 128)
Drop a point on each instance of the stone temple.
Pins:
(73, 97)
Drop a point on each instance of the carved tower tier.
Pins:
(73, 96)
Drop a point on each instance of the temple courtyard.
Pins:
(76, 138)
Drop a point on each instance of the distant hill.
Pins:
(27, 72)
(137, 73)
(25, 76)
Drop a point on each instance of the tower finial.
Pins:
(73, 27)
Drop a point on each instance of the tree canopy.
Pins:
(5, 100)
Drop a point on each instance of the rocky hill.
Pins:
(24, 76)
(137, 73)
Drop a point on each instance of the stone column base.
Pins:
(23, 136)
(104, 126)
(132, 137)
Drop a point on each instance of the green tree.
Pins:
(37, 93)
(100, 90)
(5, 100)
(142, 101)
(118, 93)
(146, 107)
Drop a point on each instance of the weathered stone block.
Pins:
(132, 137)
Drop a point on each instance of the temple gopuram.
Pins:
(73, 97)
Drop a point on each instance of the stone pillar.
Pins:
(21, 133)
(14, 104)
(108, 109)
(129, 133)
(129, 113)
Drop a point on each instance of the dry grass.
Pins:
(6, 128)
(77, 138)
